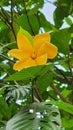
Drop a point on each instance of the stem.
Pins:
(58, 92)
(12, 19)
(12, 11)
(38, 94)
(5, 57)
(69, 64)
(32, 90)
(5, 19)
(28, 18)
(35, 91)
(63, 75)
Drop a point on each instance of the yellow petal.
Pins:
(19, 54)
(39, 39)
(24, 64)
(48, 48)
(41, 60)
(24, 43)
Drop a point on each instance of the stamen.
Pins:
(34, 55)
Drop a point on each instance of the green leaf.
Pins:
(64, 9)
(44, 23)
(24, 32)
(61, 40)
(4, 65)
(34, 117)
(69, 128)
(63, 106)
(30, 72)
(44, 81)
(37, 5)
(69, 21)
(66, 92)
(4, 109)
(58, 17)
(68, 123)
(29, 23)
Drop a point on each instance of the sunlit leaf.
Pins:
(30, 73)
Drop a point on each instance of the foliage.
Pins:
(39, 97)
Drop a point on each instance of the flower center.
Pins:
(33, 56)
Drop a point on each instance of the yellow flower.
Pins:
(31, 56)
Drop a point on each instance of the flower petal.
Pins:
(39, 39)
(24, 43)
(41, 60)
(48, 48)
(24, 64)
(19, 54)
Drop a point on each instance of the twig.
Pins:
(58, 92)
(37, 90)
(63, 75)
(28, 18)
(5, 57)
(6, 21)
(69, 64)
(38, 94)
(11, 11)
(60, 7)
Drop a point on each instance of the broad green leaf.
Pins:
(29, 25)
(68, 123)
(30, 72)
(24, 32)
(4, 110)
(69, 128)
(61, 40)
(63, 106)
(44, 23)
(58, 17)
(64, 9)
(36, 116)
(66, 92)
(44, 81)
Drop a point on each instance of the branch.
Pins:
(28, 18)
(5, 57)
(60, 7)
(69, 64)
(58, 92)
(35, 88)
(5, 20)
(63, 75)
(4, 17)
(11, 11)
(38, 94)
